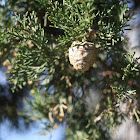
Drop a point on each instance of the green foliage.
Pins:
(124, 93)
(132, 69)
(40, 64)
(78, 18)
(130, 72)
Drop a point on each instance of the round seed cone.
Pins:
(82, 55)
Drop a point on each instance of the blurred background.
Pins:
(14, 127)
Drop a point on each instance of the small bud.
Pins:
(5, 49)
(30, 43)
(60, 120)
(9, 68)
(105, 91)
(32, 91)
(30, 82)
(5, 63)
(15, 54)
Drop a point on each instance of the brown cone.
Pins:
(82, 55)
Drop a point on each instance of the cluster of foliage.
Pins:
(38, 61)
(11, 103)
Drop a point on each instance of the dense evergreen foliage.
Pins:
(34, 47)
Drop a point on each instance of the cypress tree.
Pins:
(57, 68)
